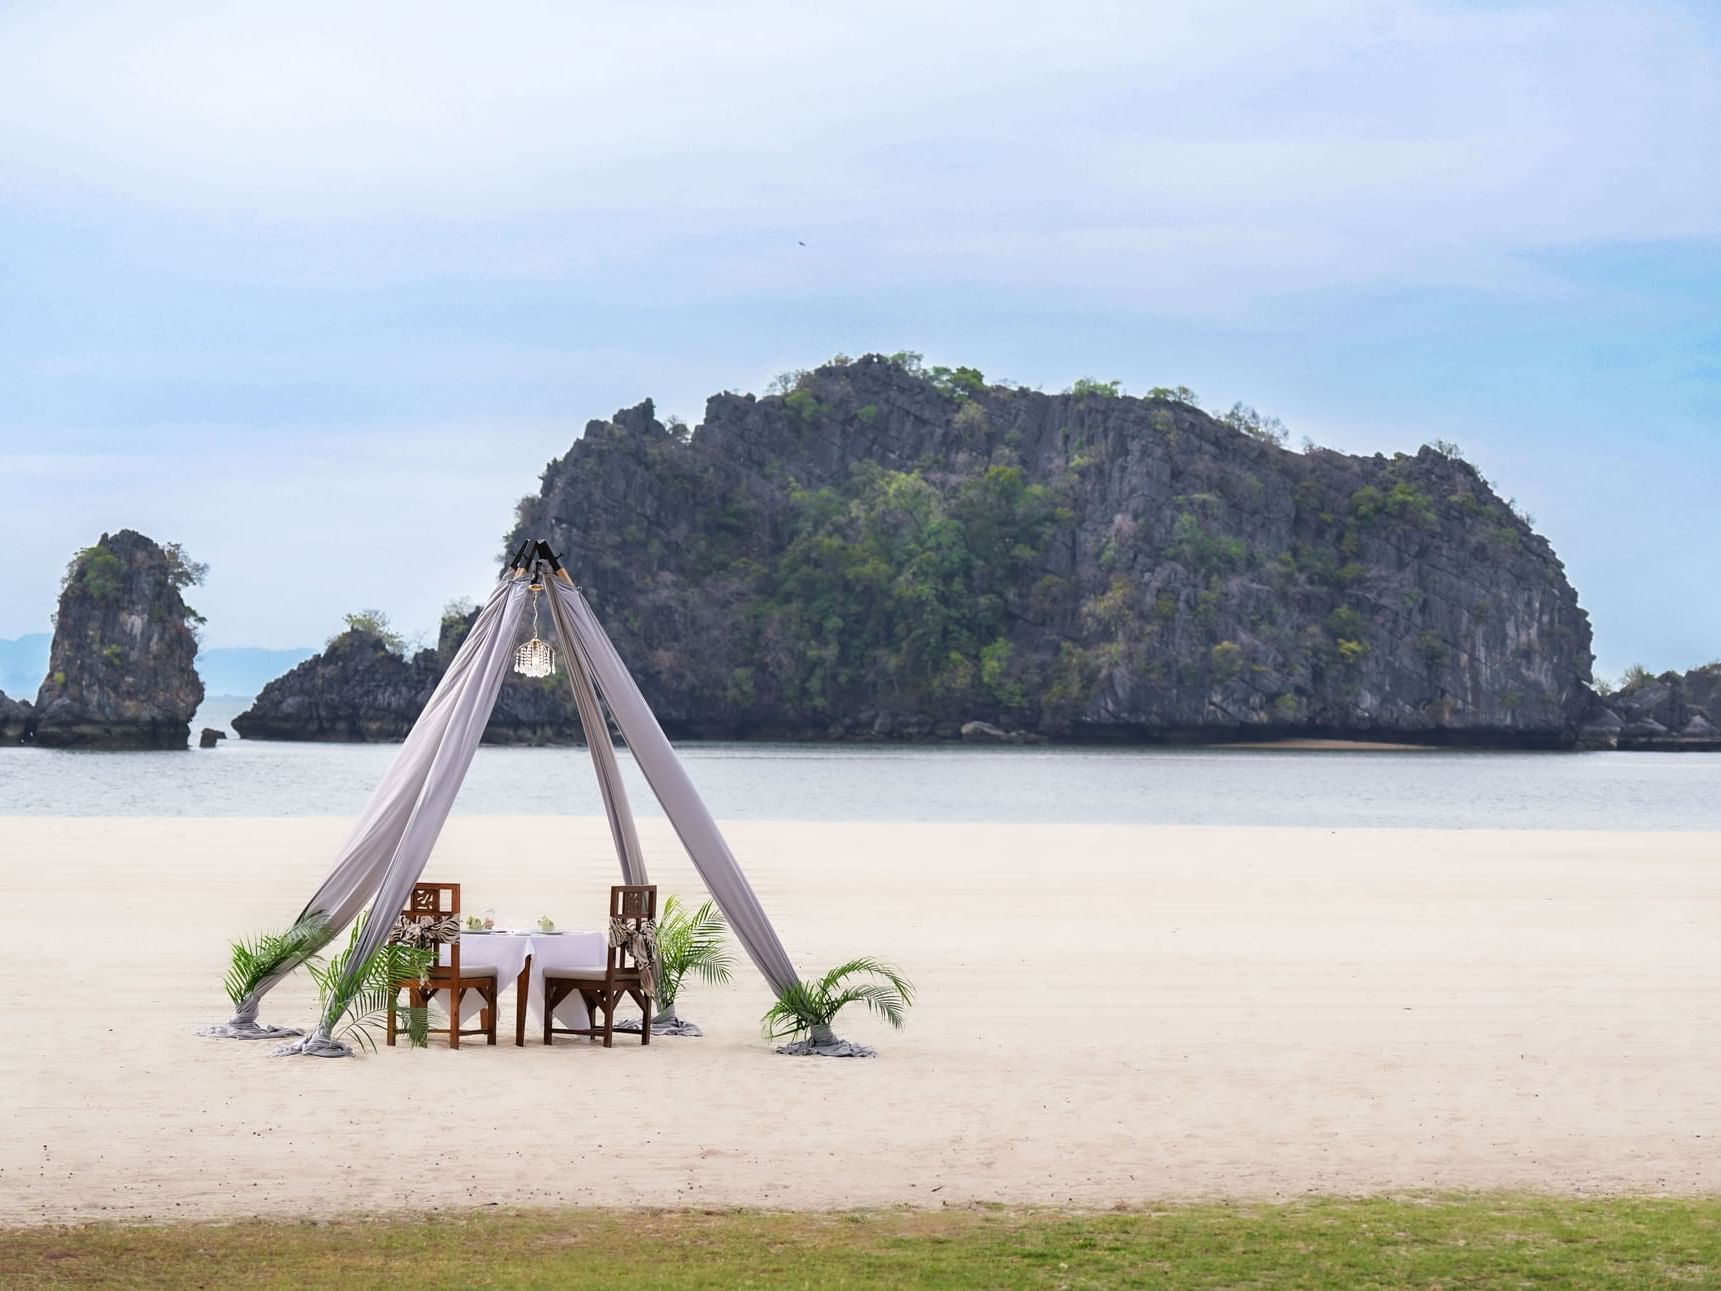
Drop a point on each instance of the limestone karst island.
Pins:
(887, 551)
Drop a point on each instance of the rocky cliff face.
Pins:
(359, 689)
(16, 720)
(889, 553)
(1670, 712)
(122, 668)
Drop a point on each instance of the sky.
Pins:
(317, 290)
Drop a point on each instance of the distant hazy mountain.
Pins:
(245, 670)
(23, 664)
(230, 670)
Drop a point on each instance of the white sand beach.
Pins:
(1107, 1015)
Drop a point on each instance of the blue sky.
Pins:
(300, 286)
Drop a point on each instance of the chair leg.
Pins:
(393, 1008)
(609, 1019)
(552, 997)
(521, 989)
(645, 1019)
(490, 1014)
(454, 997)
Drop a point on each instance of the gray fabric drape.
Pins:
(582, 635)
(377, 836)
(597, 729)
(471, 700)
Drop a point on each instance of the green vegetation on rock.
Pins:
(892, 585)
(374, 623)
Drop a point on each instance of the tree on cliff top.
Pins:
(101, 573)
(374, 623)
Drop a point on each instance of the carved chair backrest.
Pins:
(632, 903)
(436, 900)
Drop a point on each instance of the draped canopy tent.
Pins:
(388, 848)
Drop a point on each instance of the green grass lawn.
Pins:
(1446, 1242)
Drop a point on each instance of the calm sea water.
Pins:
(1181, 786)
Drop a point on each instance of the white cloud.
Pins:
(298, 527)
(1225, 154)
(421, 209)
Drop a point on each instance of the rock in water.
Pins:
(887, 552)
(15, 720)
(363, 688)
(210, 737)
(1673, 712)
(359, 689)
(122, 669)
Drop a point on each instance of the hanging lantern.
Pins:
(536, 658)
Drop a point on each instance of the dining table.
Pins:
(524, 956)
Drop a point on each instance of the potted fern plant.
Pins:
(353, 1006)
(688, 942)
(261, 959)
(804, 1012)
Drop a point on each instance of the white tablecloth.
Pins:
(507, 951)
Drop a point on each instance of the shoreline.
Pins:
(1168, 740)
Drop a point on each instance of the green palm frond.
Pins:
(886, 1001)
(270, 954)
(693, 943)
(810, 1004)
(797, 1009)
(353, 1005)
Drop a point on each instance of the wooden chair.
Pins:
(619, 979)
(439, 900)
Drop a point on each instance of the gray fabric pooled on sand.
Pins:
(243, 1028)
(835, 1049)
(661, 1025)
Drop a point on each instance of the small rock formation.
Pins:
(357, 690)
(1671, 712)
(122, 669)
(15, 720)
(361, 689)
(210, 737)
